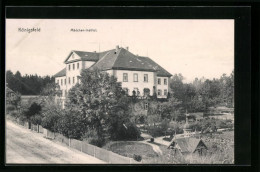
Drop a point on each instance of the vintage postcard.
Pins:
(119, 91)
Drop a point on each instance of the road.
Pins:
(27, 147)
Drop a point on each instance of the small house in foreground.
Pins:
(188, 145)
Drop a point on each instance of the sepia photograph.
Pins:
(119, 91)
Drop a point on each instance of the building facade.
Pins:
(138, 75)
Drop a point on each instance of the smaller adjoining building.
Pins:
(188, 145)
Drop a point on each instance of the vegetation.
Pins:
(132, 149)
(27, 84)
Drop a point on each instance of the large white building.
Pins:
(136, 73)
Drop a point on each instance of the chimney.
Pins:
(117, 48)
(126, 48)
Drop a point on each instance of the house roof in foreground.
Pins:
(119, 59)
(187, 144)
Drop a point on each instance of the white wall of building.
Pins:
(131, 84)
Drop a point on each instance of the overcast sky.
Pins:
(194, 48)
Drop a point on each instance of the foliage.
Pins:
(202, 93)
(72, 124)
(27, 84)
(14, 114)
(50, 120)
(33, 109)
(137, 157)
(100, 103)
(127, 131)
(36, 119)
(10, 108)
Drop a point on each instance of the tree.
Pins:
(34, 109)
(100, 101)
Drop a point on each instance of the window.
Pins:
(73, 80)
(77, 79)
(159, 81)
(165, 81)
(78, 65)
(65, 93)
(145, 77)
(61, 82)
(165, 92)
(65, 81)
(69, 80)
(125, 77)
(73, 66)
(69, 67)
(57, 81)
(135, 77)
(146, 106)
(159, 92)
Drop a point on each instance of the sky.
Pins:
(194, 48)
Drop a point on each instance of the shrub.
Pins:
(155, 131)
(37, 119)
(137, 157)
(125, 131)
(91, 137)
(10, 108)
(50, 120)
(152, 139)
(14, 114)
(71, 124)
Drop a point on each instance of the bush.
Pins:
(10, 108)
(155, 131)
(137, 157)
(152, 139)
(14, 114)
(128, 131)
(37, 119)
(71, 124)
(50, 121)
(91, 137)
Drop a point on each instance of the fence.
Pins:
(82, 146)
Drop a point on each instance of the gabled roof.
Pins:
(117, 59)
(123, 59)
(187, 144)
(61, 73)
(85, 56)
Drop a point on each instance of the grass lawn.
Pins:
(128, 149)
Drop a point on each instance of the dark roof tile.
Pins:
(61, 73)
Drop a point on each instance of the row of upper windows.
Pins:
(73, 66)
(164, 81)
(125, 78)
(73, 81)
(137, 92)
(159, 92)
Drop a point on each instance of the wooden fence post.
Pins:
(94, 151)
(69, 142)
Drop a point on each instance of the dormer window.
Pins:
(69, 66)
(73, 66)
(77, 65)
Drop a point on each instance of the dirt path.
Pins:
(155, 147)
(27, 147)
